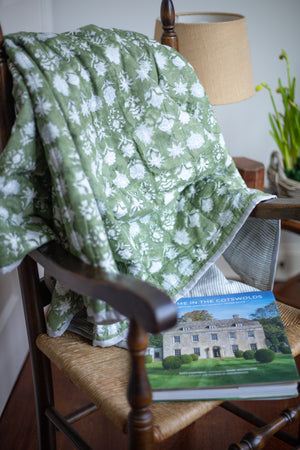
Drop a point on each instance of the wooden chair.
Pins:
(115, 379)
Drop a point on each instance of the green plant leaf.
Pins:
(285, 127)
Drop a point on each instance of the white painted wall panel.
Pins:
(16, 15)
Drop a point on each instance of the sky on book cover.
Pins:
(225, 306)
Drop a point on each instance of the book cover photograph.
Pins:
(223, 347)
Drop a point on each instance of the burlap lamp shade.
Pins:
(216, 45)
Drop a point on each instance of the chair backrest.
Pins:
(167, 14)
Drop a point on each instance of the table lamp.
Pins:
(216, 45)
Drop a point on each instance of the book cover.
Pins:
(223, 347)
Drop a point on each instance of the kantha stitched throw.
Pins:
(117, 154)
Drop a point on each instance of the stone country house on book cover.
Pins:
(214, 338)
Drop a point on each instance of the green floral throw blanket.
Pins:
(116, 153)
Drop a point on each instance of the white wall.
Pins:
(16, 15)
(13, 337)
(25, 15)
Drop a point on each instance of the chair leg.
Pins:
(140, 426)
(257, 439)
(43, 401)
(42, 377)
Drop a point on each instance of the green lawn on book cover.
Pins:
(221, 372)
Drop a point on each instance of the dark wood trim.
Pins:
(252, 172)
(257, 439)
(7, 114)
(291, 225)
(140, 423)
(138, 300)
(246, 415)
(41, 368)
(167, 14)
(279, 208)
(58, 421)
(80, 413)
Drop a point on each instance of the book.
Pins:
(226, 347)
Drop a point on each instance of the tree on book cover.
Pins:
(222, 340)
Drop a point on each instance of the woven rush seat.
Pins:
(102, 373)
(291, 321)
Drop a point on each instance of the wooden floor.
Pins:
(216, 431)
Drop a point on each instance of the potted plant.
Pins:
(284, 169)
